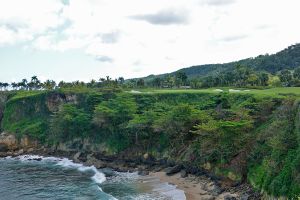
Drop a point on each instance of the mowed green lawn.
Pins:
(280, 91)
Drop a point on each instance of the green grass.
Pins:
(280, 91)
(23, 94)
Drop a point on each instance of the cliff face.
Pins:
(9, 142)
(237, 136)
(3, 99)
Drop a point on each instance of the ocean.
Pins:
(30, 177)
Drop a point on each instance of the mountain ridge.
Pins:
(288, 58)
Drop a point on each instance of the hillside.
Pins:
(288, 58)
(243, 136)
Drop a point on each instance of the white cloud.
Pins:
(204, 31)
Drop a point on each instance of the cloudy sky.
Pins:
(85, 39)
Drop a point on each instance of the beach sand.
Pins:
(195, 188)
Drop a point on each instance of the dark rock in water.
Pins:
(183, 174)
(173, 170)
(108, 172)
(36, 159)
(142, 171)
(80, 157)
(3, 148)
(76, 156)
(229, 197)
(245, 197)
(157, 169)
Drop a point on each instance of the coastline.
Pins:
(196, 186)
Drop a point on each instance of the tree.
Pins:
(297, 73)
(141, 123)
(121, 80)
(14, 85)
(285, 77)
(263, 79)
(219, 139)
(5, 85)
(177, 122)
(115, 113)
(61, 84)
(180, 78)
(140, 83)
(195, 83)
(70, 122)
(253, 79)
(35, 83)
(241, 75)
(24, 84)
(92, 83)
(157, 82)
(49, 84)
(169, 81)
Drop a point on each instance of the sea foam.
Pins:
(98, 176)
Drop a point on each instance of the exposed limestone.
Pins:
(54, 101)
(12, 143)
(9, 140)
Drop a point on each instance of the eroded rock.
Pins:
(3, 148)
(173, 170)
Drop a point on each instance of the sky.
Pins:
(88, 39)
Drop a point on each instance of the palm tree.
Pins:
(24, 84)
(14, 85)
(5, 85)
(35, 82)
(49, 84)
(92, 83)
(61, 84)
(121, 80)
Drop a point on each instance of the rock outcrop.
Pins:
(11, 143)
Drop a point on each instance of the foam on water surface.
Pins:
(154, 188)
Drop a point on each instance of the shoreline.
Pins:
(195, 186)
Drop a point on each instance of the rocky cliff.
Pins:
(236, 138)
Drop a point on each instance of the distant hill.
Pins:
(288, 58)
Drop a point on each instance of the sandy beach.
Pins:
(195, 188)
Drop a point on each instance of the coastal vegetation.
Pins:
(242, 123)
(244, 135)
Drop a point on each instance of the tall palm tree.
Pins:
(14, 85)
(47, 85)
(36, 83)
(24, 84)
(92, 83)
(5, 85)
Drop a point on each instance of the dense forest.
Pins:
(240, 77)
(273, 70)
